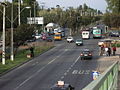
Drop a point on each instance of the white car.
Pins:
(38, 36)
(70, 39)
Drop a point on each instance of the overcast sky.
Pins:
(96, 4)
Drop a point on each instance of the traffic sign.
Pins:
(95, 74)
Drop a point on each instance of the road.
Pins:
(60, 63)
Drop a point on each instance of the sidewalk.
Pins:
(115, 58)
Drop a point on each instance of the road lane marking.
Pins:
(70, 68)
(38, 71)
(80, 72)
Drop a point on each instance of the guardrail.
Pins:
(106, 81)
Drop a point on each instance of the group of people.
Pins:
(108, 51)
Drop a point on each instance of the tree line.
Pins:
(71, 17)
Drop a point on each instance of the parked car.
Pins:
(49, 39)
(70, 39)
(79, 42)
(86, 54)
(62, 86)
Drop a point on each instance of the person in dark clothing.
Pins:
(114, 50)
(32, 51)
(109, 51)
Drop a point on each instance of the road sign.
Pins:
(95, 74)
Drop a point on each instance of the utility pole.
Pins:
(12, 50)
(19, 2)
(3, 49)
(34, 11)
(30, 17)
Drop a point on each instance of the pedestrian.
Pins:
(114, 50)
(109, 51)
(106, 51)
(101, 50)
(32, 51)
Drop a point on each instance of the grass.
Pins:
(21, 57)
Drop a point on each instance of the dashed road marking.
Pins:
(38, 71)
(70, 68)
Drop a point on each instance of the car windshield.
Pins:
(86, 52)
(59, 88)
(79, 40)
(70, 37)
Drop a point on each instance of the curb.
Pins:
(24, 62)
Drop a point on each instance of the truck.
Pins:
(85, 34)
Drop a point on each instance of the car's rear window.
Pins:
(86, 52)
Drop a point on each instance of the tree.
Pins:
(114, 5)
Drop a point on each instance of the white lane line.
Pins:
(70, 68)
(38, 71)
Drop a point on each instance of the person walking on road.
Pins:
(114, 50)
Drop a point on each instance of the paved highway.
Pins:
(60, 63)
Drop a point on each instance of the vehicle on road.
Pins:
(49, 39)
(44, 37)
(97, 32)
(57, 36)
(86, 54)
(38, 36)
(114, 34)
(79, 42)
(85, 34)
(70, 39)
(62, 86)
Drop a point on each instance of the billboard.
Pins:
(35, 20)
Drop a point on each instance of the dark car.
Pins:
(114, 34)
(62, 86)
(86, 54)
(79, 42)
(49, 39)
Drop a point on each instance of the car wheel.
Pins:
(81, 58)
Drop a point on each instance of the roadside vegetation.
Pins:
(73, 18)
(21, 56)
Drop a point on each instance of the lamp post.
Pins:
(19, 1)
(12, 51)
(34, 11)
(30, 12)
(3, 49)
(12, 21)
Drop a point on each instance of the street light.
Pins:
(19, 1)
(30, 12)
(12, 21)
(3, 49)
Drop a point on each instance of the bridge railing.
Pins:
(106, 81)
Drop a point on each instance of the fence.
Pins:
(106, 81)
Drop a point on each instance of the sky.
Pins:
(96, 4)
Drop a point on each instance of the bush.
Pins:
(116, 45)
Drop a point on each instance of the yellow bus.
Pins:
(57, 36)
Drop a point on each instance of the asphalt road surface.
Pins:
(60, 63)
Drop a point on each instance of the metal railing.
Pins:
(106, 81)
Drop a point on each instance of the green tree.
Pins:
(114, 5)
